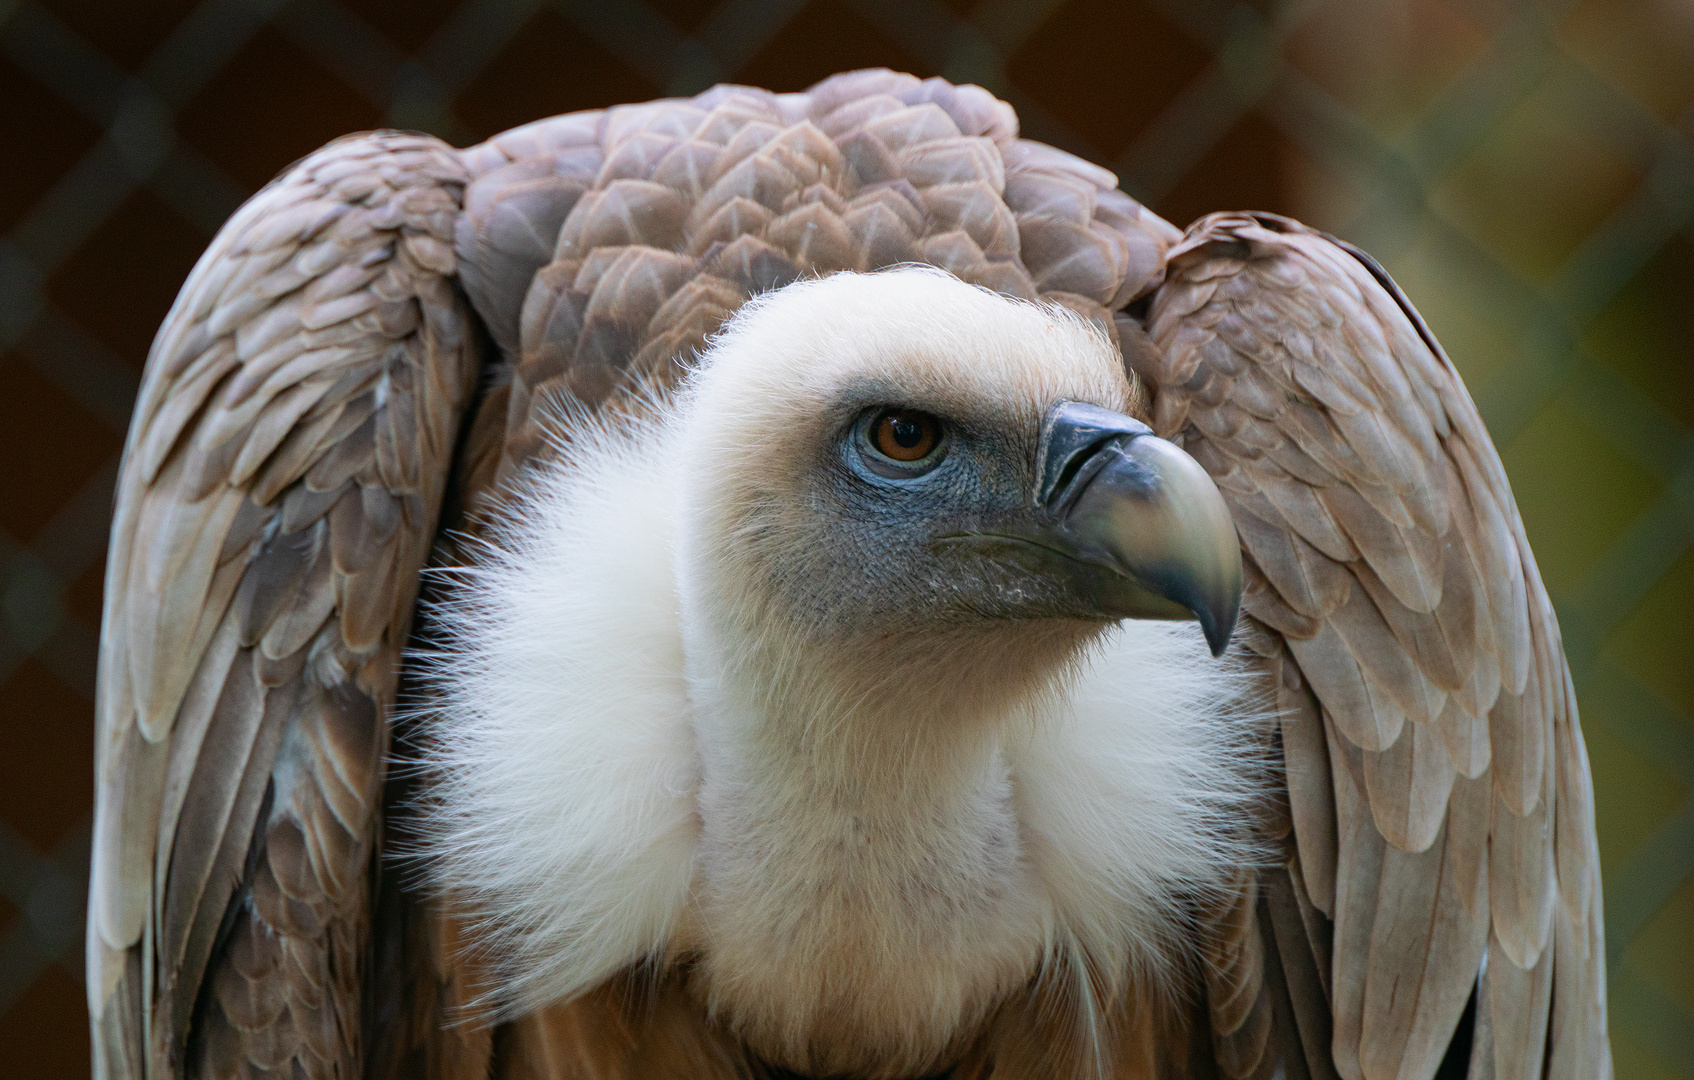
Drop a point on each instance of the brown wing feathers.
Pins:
(1384, 549)
(278, 496)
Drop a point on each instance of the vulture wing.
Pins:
(1438, 787)
(279, 494)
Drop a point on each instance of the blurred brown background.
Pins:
(1526, 170)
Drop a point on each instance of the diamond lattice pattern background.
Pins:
(1526, 170)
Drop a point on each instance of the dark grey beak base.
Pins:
(1112, 493)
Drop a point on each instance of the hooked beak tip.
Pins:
(1218, 624)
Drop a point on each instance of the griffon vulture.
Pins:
(827, 666)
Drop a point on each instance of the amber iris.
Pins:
(905, 435)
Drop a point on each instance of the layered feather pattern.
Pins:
(278, 497)
(601, 246)
(1385, 556)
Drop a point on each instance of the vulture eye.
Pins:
(903, 442)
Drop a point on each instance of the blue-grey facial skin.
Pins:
(911, 530)
(878, 554)
(959, 539)
(857, 553)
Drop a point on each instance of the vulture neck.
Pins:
(865, 896)
(883, 729)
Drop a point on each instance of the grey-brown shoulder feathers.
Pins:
(1386, 556)
(278, 497)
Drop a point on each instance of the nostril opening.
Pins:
(1065, 485)
(1074, 439)
(1068, 473)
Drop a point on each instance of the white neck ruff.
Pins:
(600, 807)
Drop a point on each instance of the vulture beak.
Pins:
(1117, 498)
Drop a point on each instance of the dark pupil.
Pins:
(906, 432)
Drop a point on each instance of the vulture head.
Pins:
(903, 493)
(757, 686)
